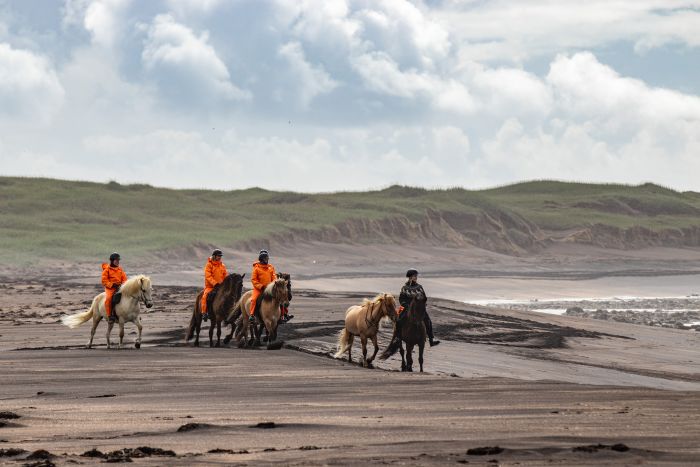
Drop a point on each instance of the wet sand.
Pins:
(542, 388)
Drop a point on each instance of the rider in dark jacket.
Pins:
(410, 289)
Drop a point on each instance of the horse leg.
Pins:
(137, 344)
(96, 318)
(363, 340)
(121, 333)
(229, 336)
(211, 333)
(351, 339)
(110, 325)
(421, 347)
(409, 357)
(403, 360)
(197, 328)
(218, 333)
(376, 349)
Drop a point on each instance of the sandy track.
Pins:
(327, 411)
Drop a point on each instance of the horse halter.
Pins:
(370, 323)
(142, 297)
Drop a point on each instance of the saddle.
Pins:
(211, 296)
(116, 298)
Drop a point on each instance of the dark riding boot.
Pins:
(112, 317)
(429, 330)
(205, 316)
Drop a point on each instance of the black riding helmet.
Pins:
(217, 252)
(114, 256)
(263, 254)
(411, 272)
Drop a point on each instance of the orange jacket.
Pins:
(262, 275)
(112, 276)
(214, 273)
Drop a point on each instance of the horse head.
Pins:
(279, 290)
(389, 306)
(146, 291)
(288, 278)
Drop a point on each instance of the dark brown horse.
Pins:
(227, 295)
(413, 333)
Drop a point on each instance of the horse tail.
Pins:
(73, 321)
(343, 342)
(392, 348)
(235, 312)
(193, 320)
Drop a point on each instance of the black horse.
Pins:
(225, 296)
(413, 333)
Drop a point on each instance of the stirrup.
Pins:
(251, 318)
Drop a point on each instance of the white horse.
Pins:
(135, 290)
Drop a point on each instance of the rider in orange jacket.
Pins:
(112, 278)
(263, 274)
(214, 274)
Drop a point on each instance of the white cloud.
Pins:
(313, 79)
(184, 7)
(586, 88)
(188, 61)
(29, 87)
(103, 18)
(507, 30)
(381, 74)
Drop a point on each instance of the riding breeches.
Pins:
(254, 300)
(203, 302)
(109, 293)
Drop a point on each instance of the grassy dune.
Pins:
(75, 220)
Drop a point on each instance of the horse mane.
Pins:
(375, 300)
(133, 286)
(267, 292)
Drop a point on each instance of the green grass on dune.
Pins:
(79, 220)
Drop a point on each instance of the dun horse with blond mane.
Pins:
(363, 321)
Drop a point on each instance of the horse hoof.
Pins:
(137, 345)
(196, 344)
(275, 345)
(218, 344)
(370, 366)
(227, 340)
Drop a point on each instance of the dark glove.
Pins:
(116, 286)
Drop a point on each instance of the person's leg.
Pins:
(109, 293)
(254, 303)
(429, 330)
(203, 303)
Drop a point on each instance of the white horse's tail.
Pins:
(343, 342)
(73, 321)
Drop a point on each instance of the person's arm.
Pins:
(208, 278)
(123, 278)
(105, 278)
(404, 298)
(255, 280)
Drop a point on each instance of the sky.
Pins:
(334, 95)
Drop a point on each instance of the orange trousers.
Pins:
(109, 293)
(203, 302)
(253, 299)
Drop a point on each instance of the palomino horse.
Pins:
(363, 320)
(267, 313)
(412, 333)
(135, 290)
(226, 295)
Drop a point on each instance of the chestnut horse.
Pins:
(363, 320)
